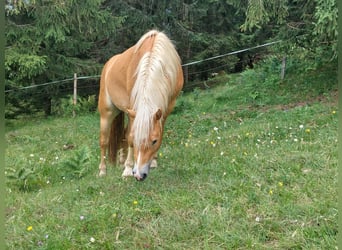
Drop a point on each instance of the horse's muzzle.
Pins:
(140, 178)
(141, 174)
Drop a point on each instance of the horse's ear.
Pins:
(158, 115)
(131, 113)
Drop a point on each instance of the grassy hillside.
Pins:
(250, 163)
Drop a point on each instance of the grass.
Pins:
(248, 164)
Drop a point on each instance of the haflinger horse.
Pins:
(142, 82)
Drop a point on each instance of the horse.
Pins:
(142, 83)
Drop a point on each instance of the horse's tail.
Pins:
(116, 136)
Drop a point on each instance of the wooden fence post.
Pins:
(283, 68)
(75, 94)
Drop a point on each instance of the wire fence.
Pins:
(183, 65)
(86, 86)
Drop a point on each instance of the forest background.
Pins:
(48, 41)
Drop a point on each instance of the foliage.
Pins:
(308, 24)
(31, 178)
(28, 65)
(49, 40)
(199, 29)
(262, 12)
(24, 179)
(66, 107)
(78, 166)
(232, 174)
(325, 31)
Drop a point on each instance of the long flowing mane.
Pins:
(156, 79)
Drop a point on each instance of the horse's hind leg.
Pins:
(122, 155)
(106, 120)
(124, 148)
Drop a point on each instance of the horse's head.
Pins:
(145, 145)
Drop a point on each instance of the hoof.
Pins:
(127, 172)
(154, 163)
(102, 173)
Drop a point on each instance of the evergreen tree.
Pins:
(50, 40)
(308, 25)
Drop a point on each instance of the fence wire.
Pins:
(183, 65)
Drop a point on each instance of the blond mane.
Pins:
(156, 79)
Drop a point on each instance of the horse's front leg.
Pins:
(128, 171)
(123, 151)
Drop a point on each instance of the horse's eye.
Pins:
(154, 142)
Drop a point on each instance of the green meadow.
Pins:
(249, 162)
